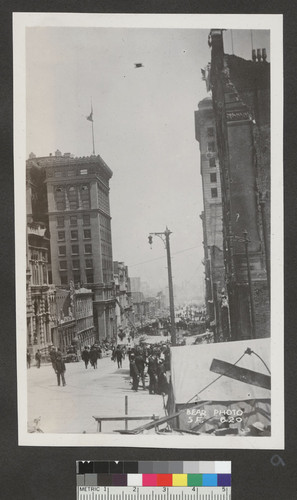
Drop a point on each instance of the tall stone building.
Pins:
(211, 217)
(40, 294)
(241, 105)
(79, 221)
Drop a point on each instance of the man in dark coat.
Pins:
(153, 373)
(93, 357)
(85, 355)
(119, 356)
(38, 358)
(28, 359)
(60, 368)
(134, 373)
(53, 354)
(163, 386)
(140, 363)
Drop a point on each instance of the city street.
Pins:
(88, 392)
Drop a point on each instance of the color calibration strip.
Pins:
(170, 474)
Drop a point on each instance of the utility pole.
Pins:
(266, 246)
(165, 237)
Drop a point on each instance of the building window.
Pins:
(87, 233)
(86, 220)
(72, 198)
(83, 171)
(90, 277)
(89, 263)
(58, 173)
(74, 235)
(85, 196)
(88, 248)
(71, 173)
(213, 177)
(60, 198)
(75, 264)
(62, 250)
(211, 147)
(214, 192)
(63, 264)
(63, 278)
(210, 132)
(73, 220)
(212, 163)
(61, 235)
(74, 249)
(76, 277)
(60, 221)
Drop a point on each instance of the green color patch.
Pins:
(195, 479)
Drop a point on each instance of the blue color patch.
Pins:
(209, 480)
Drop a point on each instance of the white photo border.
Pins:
(272, 22)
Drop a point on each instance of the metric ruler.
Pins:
(153, 493)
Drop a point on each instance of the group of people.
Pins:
(91, 355)
(155, 362)
(37, 358)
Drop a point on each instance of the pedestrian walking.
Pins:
(93, 357)
(163, 386)
(60, 368)
(28, 359)
(134, 373)
(140, 363)
(38, 358)
(53, 354)
(153, 373)
(119, 356)
(85, 356)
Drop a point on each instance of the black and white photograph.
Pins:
(148, 211)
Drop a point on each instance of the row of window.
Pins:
(74, 235)
(75, 249)
(70, 173)
(75, 264)
(73, 220)
(76, 278)
(72, 196)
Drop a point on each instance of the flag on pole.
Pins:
(90, 117)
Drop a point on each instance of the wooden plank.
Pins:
(242, 374)
(150, 425)
(126, 417)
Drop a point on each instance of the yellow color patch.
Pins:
(179, 479)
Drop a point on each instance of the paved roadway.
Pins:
(87, 392)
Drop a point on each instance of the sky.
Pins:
(143, 127)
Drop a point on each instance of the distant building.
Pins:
(76, 206)
(75, 318)
(212, 220)
(123, 309)
(241, 106)
(135, 284)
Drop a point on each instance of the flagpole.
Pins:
(92, 128)
(93, 137)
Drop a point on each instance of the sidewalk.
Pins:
(88, 392)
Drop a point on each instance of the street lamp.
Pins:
(165, 238)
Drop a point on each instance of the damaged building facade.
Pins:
(241, 107)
